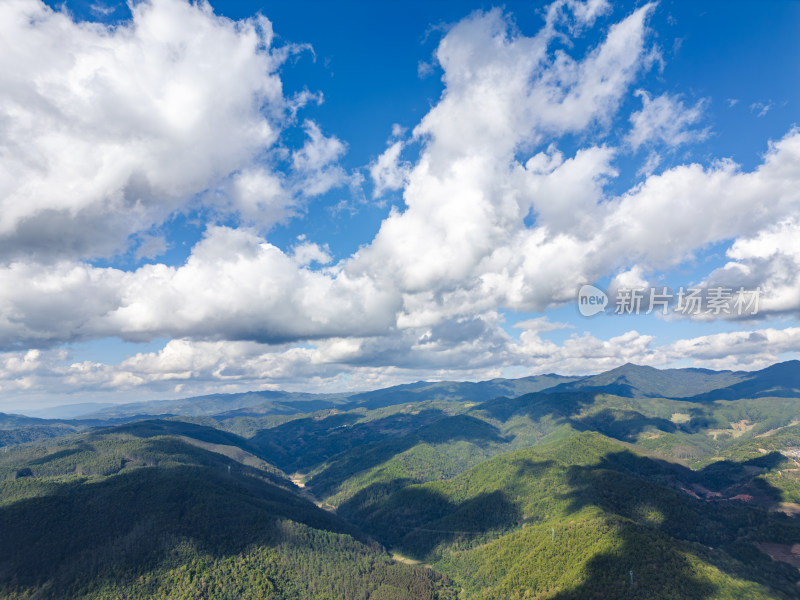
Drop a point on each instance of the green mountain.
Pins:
(20, 429)
(276, 402)
(160, 510)
(781, 380)
(636, 483)
(630, 381)
(575, 516)
(635, 381)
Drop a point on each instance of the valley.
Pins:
(601, 485)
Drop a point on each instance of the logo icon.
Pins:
(591, 300)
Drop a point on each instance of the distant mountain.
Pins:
(262, 402)
(13, 421)
(627, 381)
(781, 380)
(21, 429)
(68, 411)
(277, 402)
(458, 391)
(635, 381)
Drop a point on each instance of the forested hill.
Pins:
(584, 488)
(575, 517)
(141, 512)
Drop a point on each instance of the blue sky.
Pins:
(345, 195)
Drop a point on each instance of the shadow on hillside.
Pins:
(301, 444)
(419, 519)
(650, 504)
(416, 519)
(563, 408)
(559, 406)
(155, 427)
(625, 425)
(60, 454)
(362, 458)
(129, 523)
(352, 446)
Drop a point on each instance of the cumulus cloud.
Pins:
(769, 261)
(315, 164)
(306, 253)
(108, 130)
(497, 213)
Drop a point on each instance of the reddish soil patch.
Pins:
(782, 552)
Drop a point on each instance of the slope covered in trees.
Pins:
(133, 513)
(576, 516)
(583, 487)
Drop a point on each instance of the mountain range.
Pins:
(633, 483)
(628, 380)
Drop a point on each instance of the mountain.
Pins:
(68, 411)
(542, 487)
(261, 402)
(577, 516)
(454, 391)
(635, 381)
(629, 381)
(161, 510)
(781, 380)
(21, 429)
(276, 402)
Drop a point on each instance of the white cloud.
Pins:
(108, 130)
(540, 324)
(460, 248)
(315, 164)
(465, 201)
(306, 253)
(769, 260)
(647, 169)
(424, 69)
(388, 172)
(761, 108)
(497, 214)
(665, 119)
(740, 349)
(259, 196)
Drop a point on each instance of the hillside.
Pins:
(555, 493)
(635, 381)
(575, 516)
(133, 513)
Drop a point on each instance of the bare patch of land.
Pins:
(782, 552)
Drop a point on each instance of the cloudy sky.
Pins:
(327, 196)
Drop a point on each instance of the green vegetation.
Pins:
(132, 513)
(574, 516)
(584, 488)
